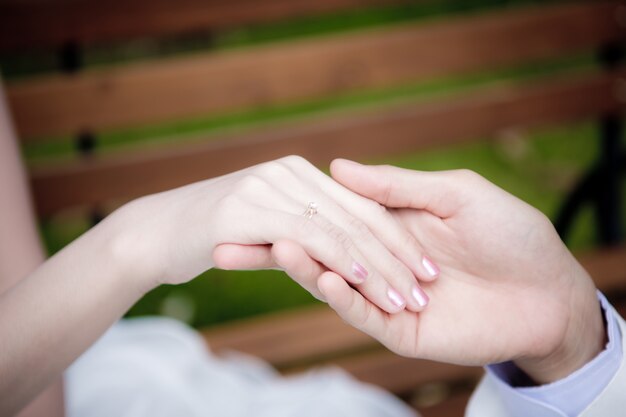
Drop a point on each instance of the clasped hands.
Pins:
(437, 265)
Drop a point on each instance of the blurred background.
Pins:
(121, 98)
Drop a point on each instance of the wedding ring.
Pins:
(311, 210)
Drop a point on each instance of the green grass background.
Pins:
(538, 166)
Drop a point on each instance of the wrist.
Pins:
(583, 339)
(153, 239)
(120, 240)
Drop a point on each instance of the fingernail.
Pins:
(431, 268)
(395, 298)
(420, 296)
(359, 271)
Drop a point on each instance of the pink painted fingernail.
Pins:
(431, 268)
(359, 271)
(420, 296)
(395, 298)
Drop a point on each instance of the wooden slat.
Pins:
(289, 337)
(607, 267)
(277, 74)
(451, 407)
(369, 133)
(401, 375)
(36, 24)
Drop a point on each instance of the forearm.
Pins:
(21, 250)
(58, 311)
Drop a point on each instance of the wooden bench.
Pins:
(85, 103)
(141, 93)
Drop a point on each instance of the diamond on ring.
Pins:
(311, 210)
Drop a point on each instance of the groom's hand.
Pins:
(508, 290)
(517, 290)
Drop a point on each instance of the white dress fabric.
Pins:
(158, 367)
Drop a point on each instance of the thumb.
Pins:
(232, 256)
(440, 193)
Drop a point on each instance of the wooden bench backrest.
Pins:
(172, 89)
(153, 92)
(367, 134)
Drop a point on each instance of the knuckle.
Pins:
(298, 166)
(358, 228)
(364, 318)
(249, 184)
(339, 235)
(273, 170)
(228, 203)
(311, 272)
(542, 220)
(296, 163)
(410, 244)
(294, 160)
(466, 174)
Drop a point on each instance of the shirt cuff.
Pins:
(569, 396)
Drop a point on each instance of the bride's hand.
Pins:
(170, 237)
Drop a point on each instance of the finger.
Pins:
(373, 282)
(351, 306)
(403, 288)
(398, 332)
(373, 222)
(425, 226)
(437, 192)
(284, 255)
(303, 269)
(230, 256)
(318, 236)
(327, 244)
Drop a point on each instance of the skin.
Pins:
(509, 289)
(21, 251)
(51, 311)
